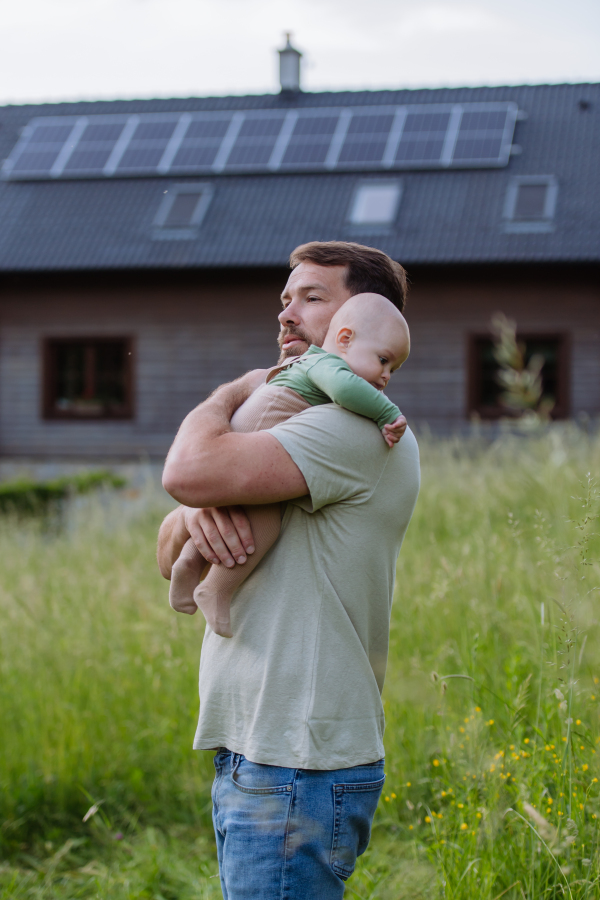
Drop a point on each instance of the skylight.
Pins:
(181, 211)
(530, 204)
(375, 203)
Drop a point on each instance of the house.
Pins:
(144, 244)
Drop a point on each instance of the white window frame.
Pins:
(543, 223)
(164, 232)
(386, 224)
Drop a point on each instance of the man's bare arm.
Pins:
(210, 465)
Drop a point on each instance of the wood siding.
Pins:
(192, 336)
(443, 313)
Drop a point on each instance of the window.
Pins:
(530, 204)
(88, 378)
(375, 203)
(181, 211)
(484, 391)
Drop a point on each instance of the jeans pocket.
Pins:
(354, 806)
(255, 778)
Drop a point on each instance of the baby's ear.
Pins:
(344, 337)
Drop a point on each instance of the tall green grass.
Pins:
(492, 697)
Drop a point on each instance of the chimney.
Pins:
(289, 67)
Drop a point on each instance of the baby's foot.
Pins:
(215, 607)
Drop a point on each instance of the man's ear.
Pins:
(344, 338)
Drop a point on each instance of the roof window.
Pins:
(530, 204)
(375, 203)
(181, 211)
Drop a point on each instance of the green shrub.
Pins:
(23, 496)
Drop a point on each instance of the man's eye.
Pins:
(310, 299)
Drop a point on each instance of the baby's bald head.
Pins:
(371, 334)
(373, 316)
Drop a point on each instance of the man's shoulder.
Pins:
(336, 429)
(334, 419)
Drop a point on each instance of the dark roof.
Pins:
(256, 220)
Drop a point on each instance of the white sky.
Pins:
(71, 49)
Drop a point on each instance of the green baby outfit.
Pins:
(320, 377)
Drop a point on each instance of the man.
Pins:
(292, 701)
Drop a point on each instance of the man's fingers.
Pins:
(216, 537)
(216, 551)
(242, 526)
(228, 532)
(221, 535)
(203, 544)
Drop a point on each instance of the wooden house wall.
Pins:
(187, 341)
(444, 310)
(190, 337)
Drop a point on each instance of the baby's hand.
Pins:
(393, 432)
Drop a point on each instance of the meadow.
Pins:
(492, 695)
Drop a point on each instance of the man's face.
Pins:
(311, 297)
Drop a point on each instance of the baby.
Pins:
(366, 342)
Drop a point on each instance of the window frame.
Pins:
(49, 377)
(561, 408)
(386, 225)
(543, 223)
(164, 232)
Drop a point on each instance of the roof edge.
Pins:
(276, 94)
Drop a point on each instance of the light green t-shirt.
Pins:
(299, 683)
(320, 377)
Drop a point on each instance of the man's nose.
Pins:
(289, 315)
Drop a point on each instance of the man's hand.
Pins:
(221, 534)
(394, 431)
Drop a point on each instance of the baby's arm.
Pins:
(355, 394)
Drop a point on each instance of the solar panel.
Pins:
(310, 140)
(255, 142)
(94, 147)
(199, 145)
(349, 138)
(366, 138)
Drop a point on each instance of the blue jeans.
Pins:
(290, 834)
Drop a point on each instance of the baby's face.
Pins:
(375, 357)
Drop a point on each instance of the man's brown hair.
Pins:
(368, 270)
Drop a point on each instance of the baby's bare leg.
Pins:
(185, 577)
(213, 595)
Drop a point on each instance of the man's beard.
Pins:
(292, 351)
